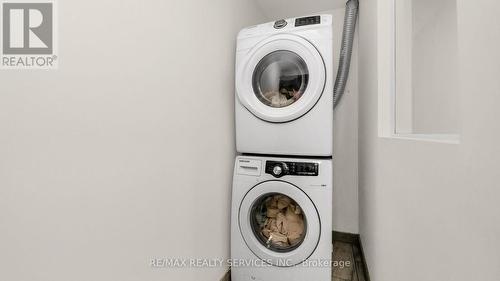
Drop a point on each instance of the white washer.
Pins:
(284, 87)
(300, 248)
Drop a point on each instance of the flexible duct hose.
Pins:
(351, 15)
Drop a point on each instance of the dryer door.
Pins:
(279, 223)
(281, 79)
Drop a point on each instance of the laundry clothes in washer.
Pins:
(281, 222)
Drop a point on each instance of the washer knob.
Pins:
(277, 170)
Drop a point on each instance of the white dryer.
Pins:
(284, 87)
(281, 219)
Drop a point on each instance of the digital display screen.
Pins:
(308, 21)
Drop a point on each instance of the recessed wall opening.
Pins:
(422, 76)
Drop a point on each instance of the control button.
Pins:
(285, 167)
(280, 24)
(277, 170)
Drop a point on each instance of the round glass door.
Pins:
(278, 222)
(280, 79)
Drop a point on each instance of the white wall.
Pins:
(434, 67)
(126, 152)
(278, 9)
(429, 211)
(345, 141)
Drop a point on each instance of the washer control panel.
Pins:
(279, 169)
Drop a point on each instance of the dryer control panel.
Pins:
(308, 21)
(279, 169)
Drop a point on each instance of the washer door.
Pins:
(279, 223)
(282, 78)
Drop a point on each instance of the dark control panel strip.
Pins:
(308, 21)
(279, 169)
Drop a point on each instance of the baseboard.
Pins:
(227, 276)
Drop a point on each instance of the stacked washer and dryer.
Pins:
(281, 222)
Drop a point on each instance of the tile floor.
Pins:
(352, 268)
(346, 249)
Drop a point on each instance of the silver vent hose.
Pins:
(351, 16)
